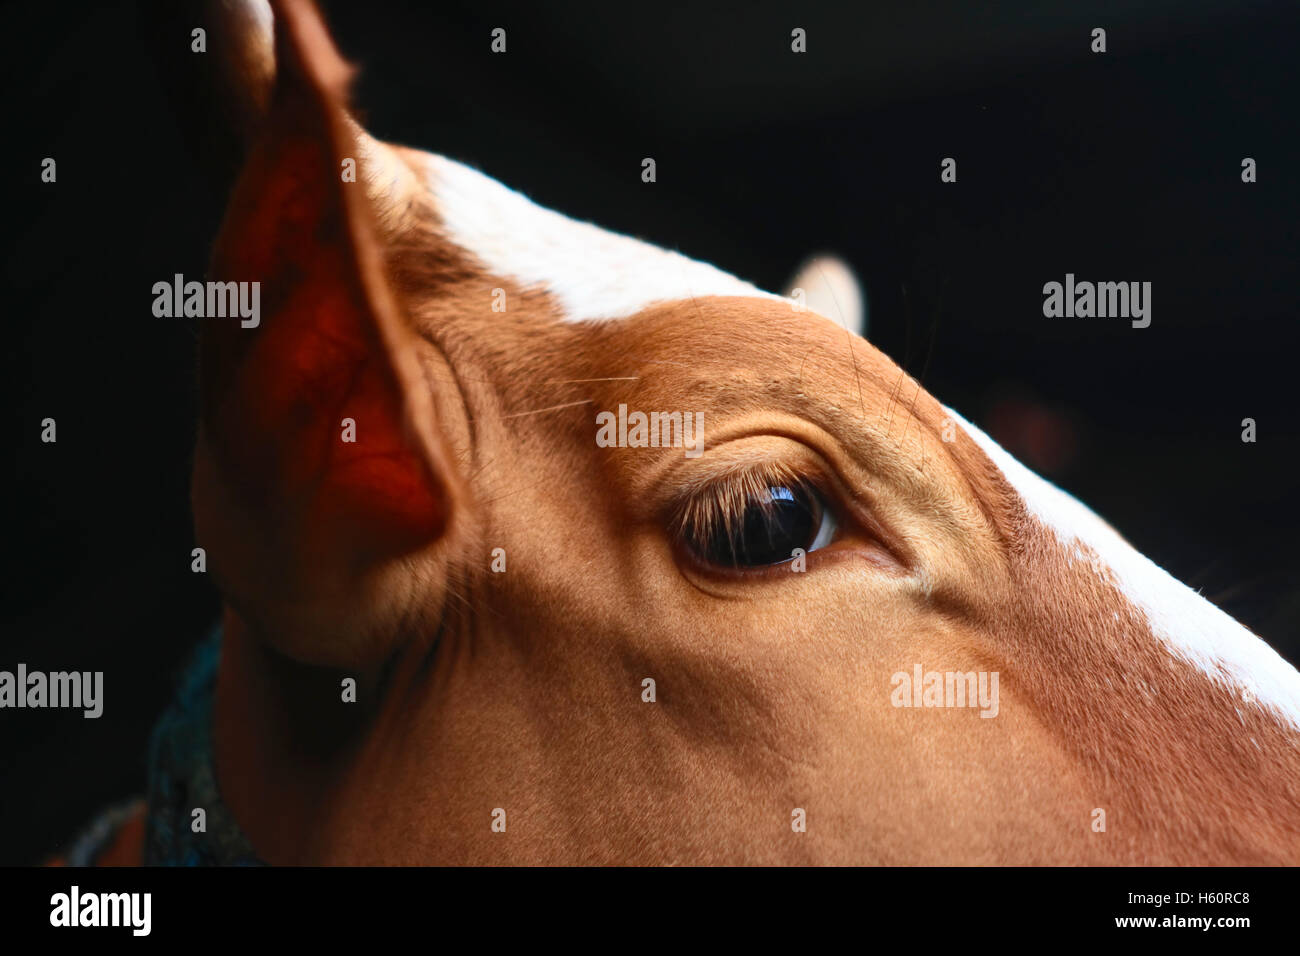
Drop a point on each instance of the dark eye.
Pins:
(766, 527)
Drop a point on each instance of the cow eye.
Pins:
(763, 526)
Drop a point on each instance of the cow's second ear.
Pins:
(826, 285)
(322, 465)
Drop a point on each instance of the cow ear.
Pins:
(831, 289)
(320, 460)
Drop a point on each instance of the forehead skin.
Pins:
(756, 366)
(517, 352)
(746, 367)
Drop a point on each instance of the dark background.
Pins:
(1122, 166)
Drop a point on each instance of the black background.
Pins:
(1122, 166)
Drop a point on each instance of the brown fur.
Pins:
(522, 690)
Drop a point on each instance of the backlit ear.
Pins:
(831, 289)
(321, 464)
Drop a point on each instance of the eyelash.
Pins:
(721, 505)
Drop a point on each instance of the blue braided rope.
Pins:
(181, 777)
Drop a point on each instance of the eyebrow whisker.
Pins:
(575, 381)
(549, 408)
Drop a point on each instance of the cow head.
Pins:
(708, 639)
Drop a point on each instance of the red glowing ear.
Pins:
(319, 418)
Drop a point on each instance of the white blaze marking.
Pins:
(1191, 627)
(595, 274)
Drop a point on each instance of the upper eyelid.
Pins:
(808, 469)
(708, 499)
(782, 454)
(852, 501)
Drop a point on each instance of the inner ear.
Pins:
(335, 345)
(317, 418)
